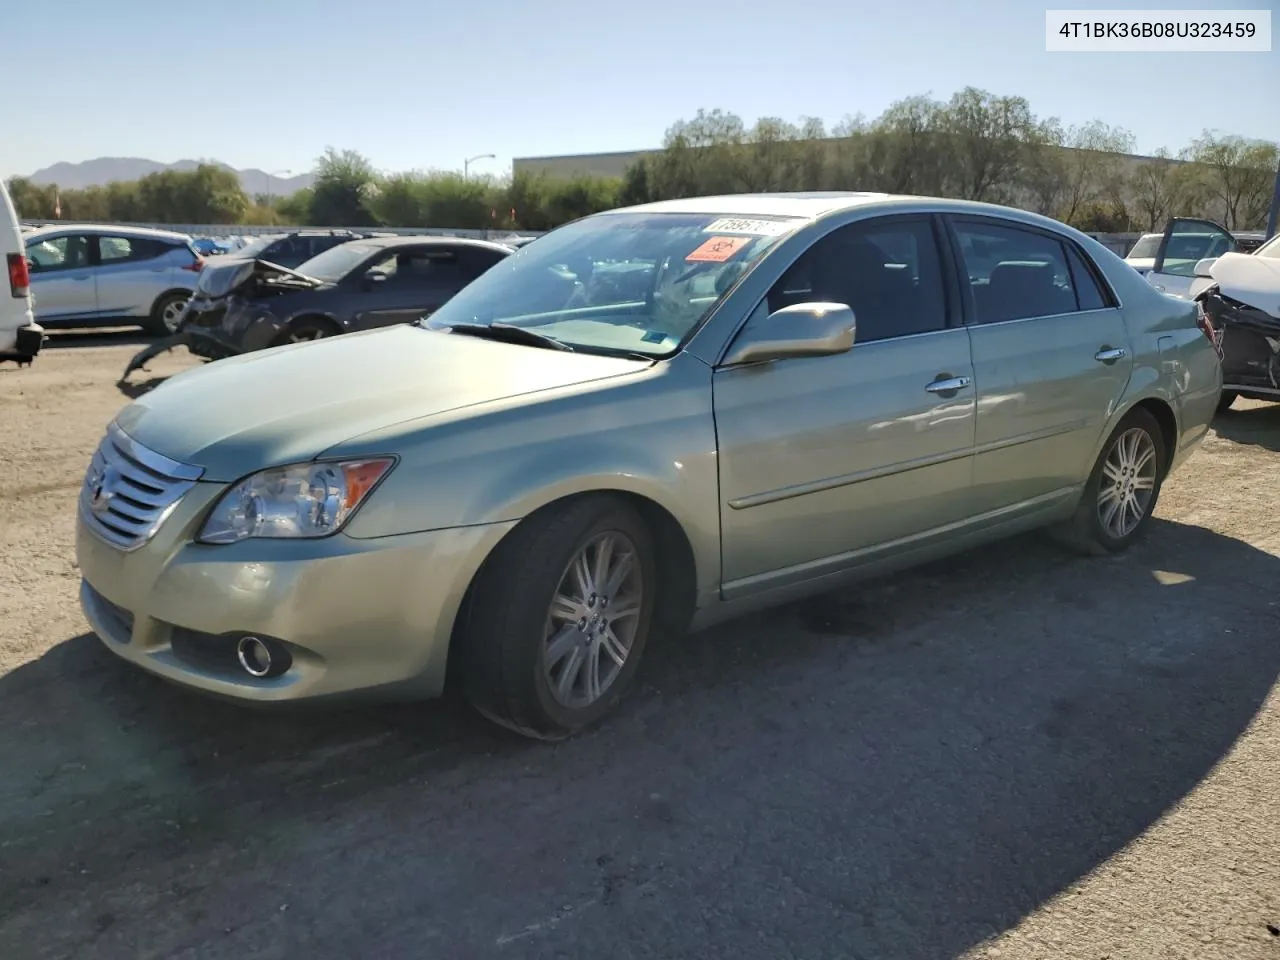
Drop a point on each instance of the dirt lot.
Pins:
(1017, 753)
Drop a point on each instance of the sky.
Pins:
(424, 84)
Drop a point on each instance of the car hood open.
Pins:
(291, 403)
(218, 279)
(1250, 279)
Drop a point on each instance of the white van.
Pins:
(20, 337)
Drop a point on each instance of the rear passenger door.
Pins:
(131, 273)
(1051, 357)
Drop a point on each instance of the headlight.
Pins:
(305, 500)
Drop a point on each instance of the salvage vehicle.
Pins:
(1239, 294)
(517, 493)
(1167, 259)
(240, 306)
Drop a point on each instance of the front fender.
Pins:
(653, 437)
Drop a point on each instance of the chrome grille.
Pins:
(129, 490)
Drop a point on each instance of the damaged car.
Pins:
(1239, 296)
(240, 306)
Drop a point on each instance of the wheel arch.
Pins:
(171, 292)
(318, 316)
(675, 560)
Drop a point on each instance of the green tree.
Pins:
(345, 190)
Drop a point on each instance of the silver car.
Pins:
(98, 275)
(653, 417)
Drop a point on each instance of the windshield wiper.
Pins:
(510, 333)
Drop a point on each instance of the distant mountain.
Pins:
(103, 170)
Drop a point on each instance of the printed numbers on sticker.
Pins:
(717, 249)
(756, 228)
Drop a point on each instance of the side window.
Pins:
(1188, 242)
(474, 261)
(888, 271)
(113, 250)
(58, 253)
(420, 268)
(1088, 293)
(1015, 274)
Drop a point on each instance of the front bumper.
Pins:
(369, 617)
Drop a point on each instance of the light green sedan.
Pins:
(647, 420)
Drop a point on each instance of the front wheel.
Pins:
(1122, 490)
(558, 618)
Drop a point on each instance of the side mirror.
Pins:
(1204, 267)
(800, 330)
(374, 277)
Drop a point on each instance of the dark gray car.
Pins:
(247, 305)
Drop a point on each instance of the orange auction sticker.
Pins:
(718, 249)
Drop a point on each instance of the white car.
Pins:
(85, 275)
(1239, 294)
(1168, 259)
(20, 336)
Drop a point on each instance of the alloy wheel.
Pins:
(592, 620)
(1128, 483)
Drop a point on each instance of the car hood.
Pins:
(1250, 279)
(290, 404)
(219, 277)
(1141, 264)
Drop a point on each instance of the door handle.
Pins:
(949, 384)
(1110, 354)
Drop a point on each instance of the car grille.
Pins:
(129, 490)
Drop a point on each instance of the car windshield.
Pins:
(1145, 247)
(621, 282)
(336, 262)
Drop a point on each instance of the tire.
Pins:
(164, 314)
(512, 672)
(305, 329)
(1086, 531)
(1225, 400)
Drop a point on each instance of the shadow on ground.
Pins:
(899, 770)
(96, 337)
(1256, 426)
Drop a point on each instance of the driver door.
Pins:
(1185, 243)
(418, 281)
(830, 462)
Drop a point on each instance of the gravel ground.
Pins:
(1016, 753)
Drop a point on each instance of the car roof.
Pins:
(109, 229)
(808, 205)
(431, 240)
(815, 206)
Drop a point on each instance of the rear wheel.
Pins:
(1122, 490)
(558, 618)
(166, 313)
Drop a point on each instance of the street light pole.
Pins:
(466, 164)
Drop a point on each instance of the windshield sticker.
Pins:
(755, 228)
(718, 249)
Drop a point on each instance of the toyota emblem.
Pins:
(101, 493)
